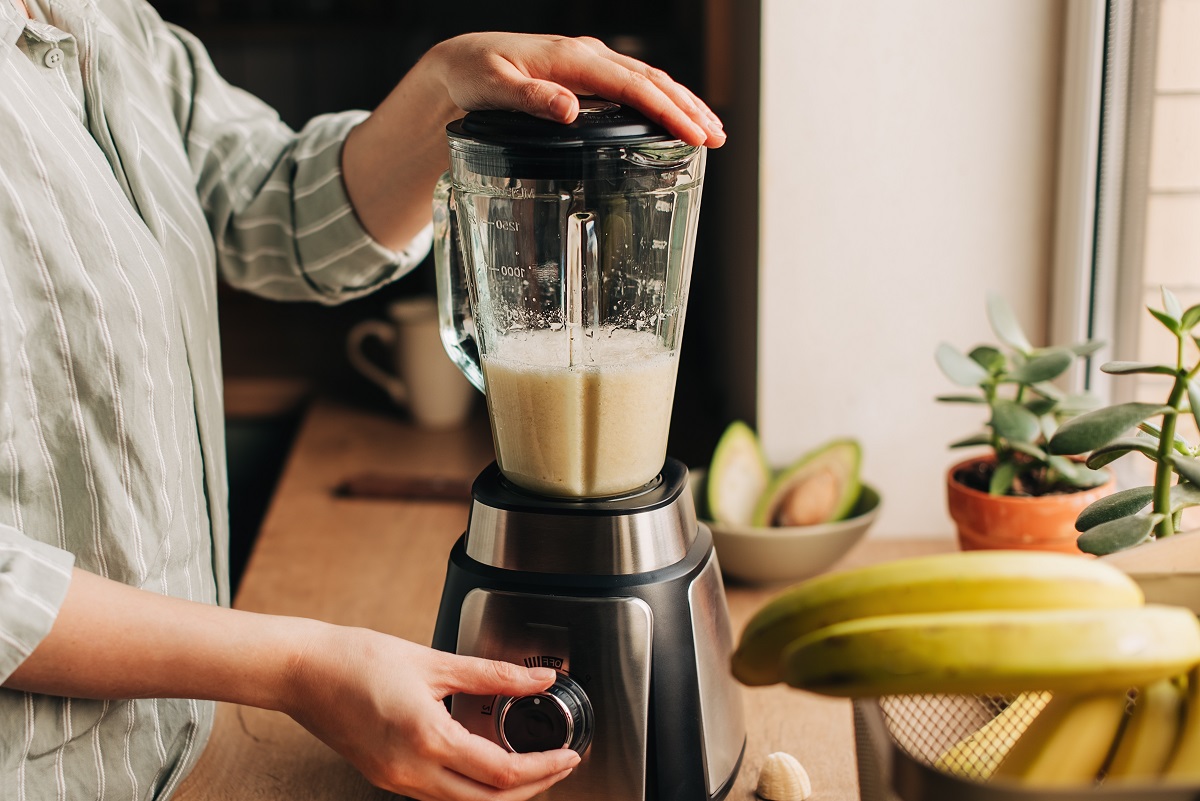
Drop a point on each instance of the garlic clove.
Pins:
(783, 778)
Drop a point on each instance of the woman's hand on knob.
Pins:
(377, 701)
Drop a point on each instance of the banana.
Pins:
(1067, 743)
(977, 756)
(1149, 735)
(945, 582)
(1184, 765)
(996, 652)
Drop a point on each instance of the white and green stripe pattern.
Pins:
(129, 173)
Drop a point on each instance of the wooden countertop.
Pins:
(380, 563)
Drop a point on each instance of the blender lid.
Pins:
(599, 123)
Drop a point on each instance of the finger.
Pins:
(487, 677)
(486, 762)
(452, 786)
(600, 74)
(512, 89)
(685, 98)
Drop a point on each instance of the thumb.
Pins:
(468, 674)
(545, 99)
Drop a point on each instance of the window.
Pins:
(1129, 188)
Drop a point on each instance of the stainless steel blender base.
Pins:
(650, 649)
(602, 643)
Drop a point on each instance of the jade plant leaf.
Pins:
(960, 369)
(1098, 428)
(1013, 421)
(1110, 507)
(1048, 390)
(1170, 322)
(988, 358)
(1005, 324)
(1079, 475)
(1087, 348)
(1029, 449)
(1181, 444)
(1117, 535)
(1114, 450)
(1002, 478)
(1045, 367)
(1040, 406)
(1187, 467)
(1183, 495)
(1193, 391)
(1129, 368)
(1171, 304)
(1190, 317)
(982, 438)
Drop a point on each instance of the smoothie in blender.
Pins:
(595, 429)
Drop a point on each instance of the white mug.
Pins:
(425, 382)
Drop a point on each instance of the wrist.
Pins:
(290, 675)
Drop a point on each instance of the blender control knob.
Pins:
(559, 717)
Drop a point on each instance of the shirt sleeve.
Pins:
(33, 583)
(275, 199)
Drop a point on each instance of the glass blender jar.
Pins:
(564, 257)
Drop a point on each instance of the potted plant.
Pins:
(1020, 495)
(1141, 514)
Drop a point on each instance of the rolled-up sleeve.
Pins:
(274, 198)
(33, 583)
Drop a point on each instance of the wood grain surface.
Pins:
(380, 563)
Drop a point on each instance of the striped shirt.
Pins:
(129, 174)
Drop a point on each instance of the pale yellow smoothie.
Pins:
(598, 428)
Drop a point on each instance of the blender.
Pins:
(564, 257)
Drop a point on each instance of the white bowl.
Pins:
(763, 555)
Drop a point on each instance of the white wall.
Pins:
(907, 168)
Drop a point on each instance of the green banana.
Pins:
(1149, 735)
(996, 652)
(974, 580)
(1067, 743)
(977, 756)
(1184, 765)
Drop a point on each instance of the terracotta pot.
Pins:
(1045, 523)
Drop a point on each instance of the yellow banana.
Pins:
(992, 653)
(1184, 765)
(977, 756)
(1149, 735)
(1067, 743)
(945, 582)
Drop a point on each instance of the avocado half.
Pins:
(737, 476)
(821, 487)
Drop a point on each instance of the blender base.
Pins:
(651, 650)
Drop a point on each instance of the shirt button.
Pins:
(53, 57)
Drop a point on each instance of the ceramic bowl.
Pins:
(762, 555)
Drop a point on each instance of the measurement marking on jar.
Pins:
(505, 225)
(511, 270)
(659, 244)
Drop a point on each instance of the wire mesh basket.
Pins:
(919, 748)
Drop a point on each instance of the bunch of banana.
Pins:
(1150, 734)
(1078, 738)
(965, 622)
(1068, 742)
(1184, 764)
(1001, 622)
(978, 756)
